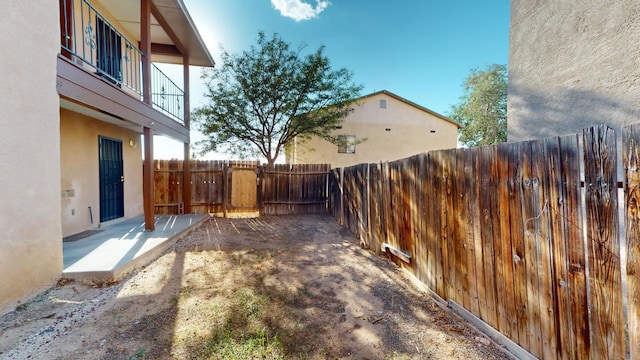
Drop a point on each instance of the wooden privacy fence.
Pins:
(524, 236)
(220, 186)
(295, 189)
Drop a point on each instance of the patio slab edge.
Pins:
(117, 274)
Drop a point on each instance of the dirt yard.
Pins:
(285, 287)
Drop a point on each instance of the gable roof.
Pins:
(410, 103)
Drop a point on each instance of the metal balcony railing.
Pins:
(94, 43)
(166, 95)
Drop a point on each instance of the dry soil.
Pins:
(281, 287)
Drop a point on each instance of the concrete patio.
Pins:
(120, 247)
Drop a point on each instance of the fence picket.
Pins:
(606, 318)
(508, 322)
(631, 161)
(558, 249)
(487, 209)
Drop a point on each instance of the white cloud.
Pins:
(298, 10)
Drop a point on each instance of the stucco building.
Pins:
(382, 127)
(572, 65)
(79, 90)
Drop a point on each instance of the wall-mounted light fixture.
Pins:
(133, 143)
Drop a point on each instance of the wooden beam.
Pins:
(165, 26)
(148, 189)
(186, 187)
(145, 47)
(404, 256)
(165, 49)
(186, 182)
(514, 349)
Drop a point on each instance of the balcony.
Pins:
(92, 42)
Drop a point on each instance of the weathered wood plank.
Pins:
(558, 249)
(531, 225)
(631, 163)
(451, 239)
(571, 159)
(439, 235)
(540, 174)
(432, 195)
(516, 201)
(605, 283)
(460, 239)
(508, 321)
(473, 243)
(426, 270)
(487, 207)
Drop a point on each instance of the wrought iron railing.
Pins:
(94, 43)
(166, 95)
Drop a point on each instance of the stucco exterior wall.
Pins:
(410, 131)
(572, 64)
(80, 170)
(30, 233)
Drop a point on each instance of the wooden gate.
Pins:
(243, 190)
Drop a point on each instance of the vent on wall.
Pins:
(383, 104)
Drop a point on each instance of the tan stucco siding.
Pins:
(395, 132)
(30, 234)
(572, 65)
(80, 170)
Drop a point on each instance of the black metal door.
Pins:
(111, 179)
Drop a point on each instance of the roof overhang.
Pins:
(173, 32)
(175, 15)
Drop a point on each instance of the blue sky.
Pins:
(421, 50)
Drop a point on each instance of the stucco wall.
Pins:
(80, 170)
(572, 64)
(30, 234)
(411, 131)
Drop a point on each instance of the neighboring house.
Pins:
(382, 127)
(79, 90)
(572, 65)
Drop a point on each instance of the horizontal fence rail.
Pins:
(522, 235)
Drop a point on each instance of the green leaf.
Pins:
(261, 99)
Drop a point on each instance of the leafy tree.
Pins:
(482, 110)
(261, 99)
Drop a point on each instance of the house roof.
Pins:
(177, 17)
(173, 31)
(410, 103)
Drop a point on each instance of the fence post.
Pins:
(341, 188)
(225, 187)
